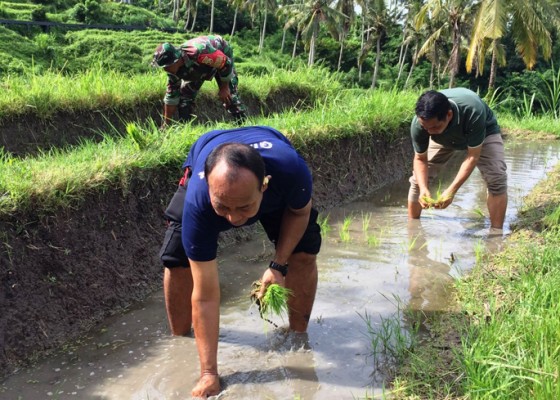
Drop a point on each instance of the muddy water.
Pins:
(385, 263)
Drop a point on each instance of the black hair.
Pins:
(432, 104)
(236, 155)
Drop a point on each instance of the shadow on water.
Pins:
(371, 256)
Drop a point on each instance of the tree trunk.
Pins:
(493, 66)
(412, 64)
(176, 8)
(342, 39)
(311, 59)
(283, 40)
(234, 20)
(211, 29)
(402, 60)
(362, 44)
(187, 15)
(377, 59)
(194, 16)
(263, 32)
(455, 58)
(295, 44)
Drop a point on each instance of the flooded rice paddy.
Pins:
(372, 263)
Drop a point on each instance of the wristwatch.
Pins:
(283, 269)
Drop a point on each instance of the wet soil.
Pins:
(63, 271)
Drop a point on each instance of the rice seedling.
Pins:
(274, 303)
(323, 222)
(366, 220)
(373, 241)
(478, 211)
(345, 229)
(435, 203)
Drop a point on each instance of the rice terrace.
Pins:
(444, 306)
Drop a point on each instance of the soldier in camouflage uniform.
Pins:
(195, 61)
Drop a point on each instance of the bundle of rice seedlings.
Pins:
(435, 202)
(273, 303)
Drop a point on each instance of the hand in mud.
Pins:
(269, 277)
(208, 385)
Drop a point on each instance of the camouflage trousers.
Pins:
(189, 91)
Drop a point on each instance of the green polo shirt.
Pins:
(472, 121)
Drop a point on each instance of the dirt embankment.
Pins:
(30, 134)
(64, 272)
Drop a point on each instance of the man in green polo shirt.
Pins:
(456, 120)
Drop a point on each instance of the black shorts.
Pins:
(172, 253)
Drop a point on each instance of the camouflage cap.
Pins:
(165, 55)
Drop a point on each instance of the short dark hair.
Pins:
(432, 104)
(237, 155)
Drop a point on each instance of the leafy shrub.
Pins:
(39, 14)
(78, 12)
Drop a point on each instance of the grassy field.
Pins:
(60, 177)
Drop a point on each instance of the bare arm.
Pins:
(206, 320)
(466, 169)
(168, 112)
(294, 223)
(420, 168)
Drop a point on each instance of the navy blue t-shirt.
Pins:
(290, 185)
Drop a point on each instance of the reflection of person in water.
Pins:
(429, 279)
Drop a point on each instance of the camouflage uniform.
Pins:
(205, 57)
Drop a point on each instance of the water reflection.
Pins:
(429, 278)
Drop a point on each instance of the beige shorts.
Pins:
(491, 165)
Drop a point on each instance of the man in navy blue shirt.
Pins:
(235, 178)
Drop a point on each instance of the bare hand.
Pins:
(424, 199)
(445, 200)
(224, 94)
(208, 385)
(269, 277)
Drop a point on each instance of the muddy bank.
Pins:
(64, 271)
(30, 134)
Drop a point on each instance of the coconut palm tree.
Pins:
(347, 9)
(308, 15)
(527, 21)
(237, 4)
(449, 17)
(261, 8)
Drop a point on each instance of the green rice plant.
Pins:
(344, 232)
(273, 303)
(372, 240)
(478, 211)
(323, 222)
(366, 220)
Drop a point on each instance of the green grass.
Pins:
(62, 177)
(530, 127)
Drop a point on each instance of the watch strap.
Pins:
(283, 269)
